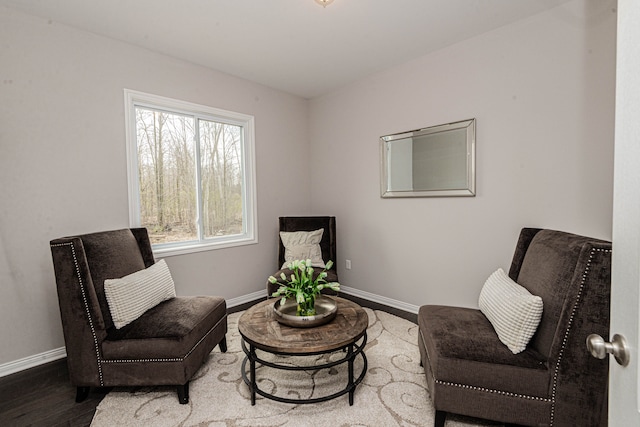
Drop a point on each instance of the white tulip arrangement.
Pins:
(302, 286)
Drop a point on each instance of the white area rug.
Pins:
(393, 392)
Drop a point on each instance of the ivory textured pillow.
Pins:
(130, 296)
(511, 309)
(302, 245)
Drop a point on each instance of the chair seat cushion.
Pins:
(171, 329)
(463, 349)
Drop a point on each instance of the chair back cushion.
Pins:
(553, 268)
(111, 255)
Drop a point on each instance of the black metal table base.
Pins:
(351, 352)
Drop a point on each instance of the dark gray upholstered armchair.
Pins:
(164, 346)
(554, 381)
(327, 244)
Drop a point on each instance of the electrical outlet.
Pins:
(347, 264)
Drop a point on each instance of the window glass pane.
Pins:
(167, 175)
(221, 177)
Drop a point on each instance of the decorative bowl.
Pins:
(326, 310)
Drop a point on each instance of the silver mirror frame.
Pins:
(470, 167)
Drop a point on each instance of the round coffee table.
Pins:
(260, 329)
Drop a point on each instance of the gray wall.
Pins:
(542, 91)
(63, 165)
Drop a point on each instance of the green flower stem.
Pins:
(302, 286)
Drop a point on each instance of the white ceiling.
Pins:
(292, 45)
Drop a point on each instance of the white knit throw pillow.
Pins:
(130, 296)
(511, 309)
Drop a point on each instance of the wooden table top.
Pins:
(258, 326)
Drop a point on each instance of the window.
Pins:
(191, 174)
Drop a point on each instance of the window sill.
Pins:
(188, 248)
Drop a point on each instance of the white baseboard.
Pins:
(60, 353)
(380, 299)
(32, 361)
(233, 302)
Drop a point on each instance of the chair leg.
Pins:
(440, 418)
(82, 393)
(183, 393)
(223, 344)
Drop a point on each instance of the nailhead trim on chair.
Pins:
(552, 400)
(568, 330)
(175, 359)
(86, 308)
(489, 390)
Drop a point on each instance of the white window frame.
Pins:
(249, 205)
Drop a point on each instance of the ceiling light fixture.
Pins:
(324, 3)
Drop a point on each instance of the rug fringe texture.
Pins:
(393, 392)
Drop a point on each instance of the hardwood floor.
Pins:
(43, 396)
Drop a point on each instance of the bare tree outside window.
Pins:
(191, 177)
(166, 171)
(221, 172)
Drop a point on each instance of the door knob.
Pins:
(599, 348)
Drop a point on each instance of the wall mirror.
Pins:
(430, 162)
